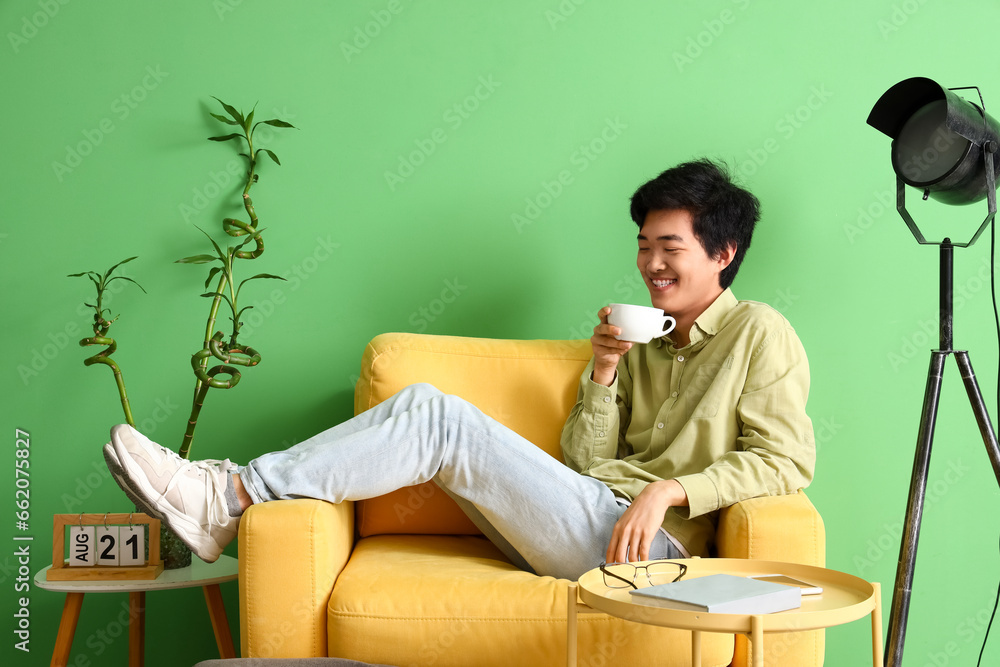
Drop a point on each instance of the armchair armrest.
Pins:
(782, 528)
(779, 528)
(291, 553)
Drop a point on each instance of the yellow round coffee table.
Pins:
(845, 598)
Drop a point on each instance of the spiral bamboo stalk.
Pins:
(104, 357)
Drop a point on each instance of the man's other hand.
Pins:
(633, 535)
(608, 350)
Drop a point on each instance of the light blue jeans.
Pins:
(545, 517)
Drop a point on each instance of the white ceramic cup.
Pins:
(640, 324)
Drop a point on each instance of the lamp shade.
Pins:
(938, 140)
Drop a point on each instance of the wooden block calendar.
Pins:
(104, 547)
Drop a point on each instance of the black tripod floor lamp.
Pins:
(945, 146)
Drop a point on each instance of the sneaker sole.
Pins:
(189, 532)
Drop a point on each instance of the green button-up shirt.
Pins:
(724, 415)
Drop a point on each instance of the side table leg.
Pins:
(757, 639)
(571, 597)
(67, 628)
(877, 647)
(220, 623)
(696, 648)
(136, 628)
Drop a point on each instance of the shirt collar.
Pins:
(709, 322)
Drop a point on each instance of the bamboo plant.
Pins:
(102, 325)
(215, 347)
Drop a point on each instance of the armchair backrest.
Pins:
(529, 386)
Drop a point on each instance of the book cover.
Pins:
(722, 594)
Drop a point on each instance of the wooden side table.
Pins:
(845, 598)
(199, 573)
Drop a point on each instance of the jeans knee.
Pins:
(420, 391)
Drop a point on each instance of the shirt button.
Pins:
(680, 357)
(607, 399)
(660, 425)
(600, 434)
(674, 395)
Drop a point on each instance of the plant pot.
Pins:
(173, 551)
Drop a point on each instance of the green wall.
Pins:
(512, 135)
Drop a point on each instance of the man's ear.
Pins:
(726, 255)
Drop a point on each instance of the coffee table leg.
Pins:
(136, 628)
(571, 597)
(696, 648)
(877, 647)
(757, 639)
(67, 628)
(220, 623)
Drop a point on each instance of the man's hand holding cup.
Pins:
(622, 325)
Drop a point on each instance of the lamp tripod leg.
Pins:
(914, 512)
(979, 409)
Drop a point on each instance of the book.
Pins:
(722, 594)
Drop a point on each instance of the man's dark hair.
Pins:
(722, 213)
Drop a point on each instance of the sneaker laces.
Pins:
(215, 488)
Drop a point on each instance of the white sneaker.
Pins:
(190, 496)
(121, 478)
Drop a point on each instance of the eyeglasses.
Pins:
(622, 575)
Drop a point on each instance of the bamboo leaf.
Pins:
(212, 295)
(89, 274)
(197, 259)
(259, 275)
(249, 120)
(130, 280)
(276, 123)
(270, 155)
(231, 110)
(223, 119)
(211, 274)
(234, 135)
(222, 255)
(108, 273)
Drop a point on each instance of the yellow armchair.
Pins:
(406, 579)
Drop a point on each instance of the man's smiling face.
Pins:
(681, 278)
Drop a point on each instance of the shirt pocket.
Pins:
(707, 389)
